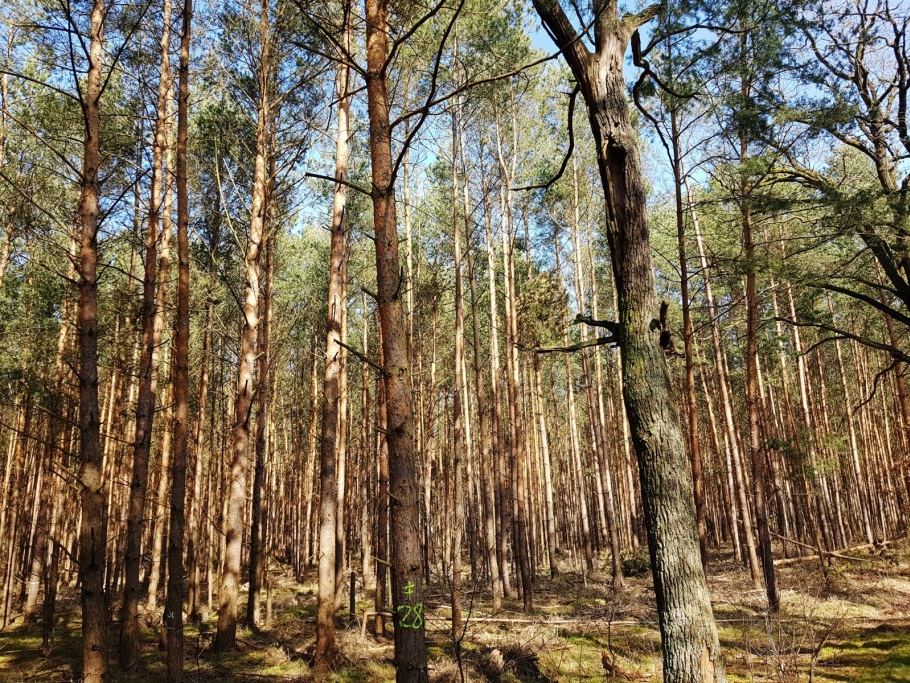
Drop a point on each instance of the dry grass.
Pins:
(850, 623)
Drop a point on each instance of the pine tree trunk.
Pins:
(328, 442)
(458, 409)
(311, 464)
(44, 551)
(152, 323)
(258, 556)
(503, 506)
(691, 402)
(91, 537)
(575, 450)
(382, 502)
(234, 523)
(405, 556)
(734, 469)
(173, 613)
(547, 473)
(757, 456)
(161, 524)
(194, 600)
(486, 452)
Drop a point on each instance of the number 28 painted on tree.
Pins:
(414, 613)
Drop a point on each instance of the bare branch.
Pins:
(600, 341)
(346, 183)
(895, 353)
(565, 160)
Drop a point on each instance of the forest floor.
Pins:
(851, 625)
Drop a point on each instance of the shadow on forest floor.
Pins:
(852, 624)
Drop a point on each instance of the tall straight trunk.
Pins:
(328, 457)
(613, 504)
(806, 414)
(547, 473)
(691, 650)
(756, 453)
(44, 551)
(458, 409)
(173, 613)
(382, 503)
(607, 516)
(429, 446)
(152, 325)
(517, 504)
(860, 491)
(164, 468)
(258, 555)
(92, 542)
(368, 573)
(407, 574)
(234, 523)
(903, 402)
(341, 449)
(310, 475)
(485, 419)
(581, 498)
(503, 505)
(486, 452)
(694, 449)
(734, 469)
(194, 601)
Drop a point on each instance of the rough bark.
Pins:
(225, 638)
(152, 324)
(405, 556)
(328, 458)
(691, 651)
(91, 479)
(173, 613)
(756, 453)
(259, 526)
(691, 401)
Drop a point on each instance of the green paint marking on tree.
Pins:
(414, 613)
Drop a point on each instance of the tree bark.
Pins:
(152, 324)
(757, 456)
(328, 457)
(173, 613)
(458, 410)
(259, 527)
(691, 651)
(691, 402)
(225, 638)
(407, 574)
(91, 536)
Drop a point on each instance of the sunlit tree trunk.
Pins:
(234, 523)
(407, 574)
(173, 613)
(43, 554)
(503, 504)
(757, 456)
(332, 420)
(459, 411)
(518, 503)
(259, 527)
(694, 444)
(91, 537)
(152, 325)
